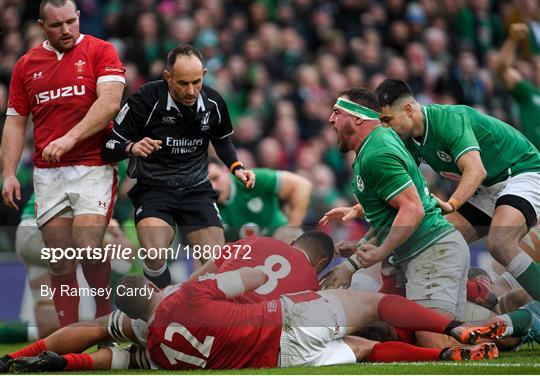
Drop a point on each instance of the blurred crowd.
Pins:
(281, 63)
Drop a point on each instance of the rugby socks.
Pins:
(527, 273)
(78, 362)
(400, 312)
(161, 277)
(67, 307)
(34, 349)
(517, 322)
(98, 276)
(393, 351)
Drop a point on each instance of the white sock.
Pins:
(519, 264)
(32, 333)
(512, 282)
(509, 328)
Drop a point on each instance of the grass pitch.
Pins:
(524, 361)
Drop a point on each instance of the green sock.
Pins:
(521, 320)
(14, 332)
(529, 280)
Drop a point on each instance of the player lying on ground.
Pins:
(295, 269)
(306, 328)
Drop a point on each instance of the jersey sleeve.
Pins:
(522, 91)
(135, 113)
(18, 103)
(107, 66)
(224, 127)
(459, 136)
(267, 181)
(388, 175)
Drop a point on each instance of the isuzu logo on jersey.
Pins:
(68, 91)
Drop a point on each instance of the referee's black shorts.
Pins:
(191, 209)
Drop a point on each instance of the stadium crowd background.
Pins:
(280, 64)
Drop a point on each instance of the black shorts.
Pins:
(191, 209)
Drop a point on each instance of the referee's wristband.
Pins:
(236, 166)
(129, 147)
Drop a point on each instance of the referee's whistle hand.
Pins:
(145, 147)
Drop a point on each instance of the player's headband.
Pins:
(356, 109)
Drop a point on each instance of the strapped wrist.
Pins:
(455, 203)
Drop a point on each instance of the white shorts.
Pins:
(28, 246)
(526, 186)
(437, 277)
(313, 330)
(74, 190)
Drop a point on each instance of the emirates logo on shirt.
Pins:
(79, 66)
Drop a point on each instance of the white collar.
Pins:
(171, 102)
(59, 54)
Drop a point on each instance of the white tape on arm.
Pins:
(231, 283)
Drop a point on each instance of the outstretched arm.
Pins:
(295, 192)
(507, 55)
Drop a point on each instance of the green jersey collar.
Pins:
(426, 127)
(369, 137)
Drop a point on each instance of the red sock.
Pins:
(403, 313)
(34, 349)
(402, 352)
(67, 307)
(99, 276)
(78, 362)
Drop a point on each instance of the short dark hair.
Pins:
(391, 90)
(363, 97)
(182, 50)
(317, 244)
(54, 3)
(136, 307)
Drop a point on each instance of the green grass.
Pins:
(525, 361)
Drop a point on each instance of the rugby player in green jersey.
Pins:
(275, 206)
(498, 169)
(407, 227)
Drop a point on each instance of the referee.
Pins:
(165, 128)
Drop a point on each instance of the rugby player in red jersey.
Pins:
(72, 86)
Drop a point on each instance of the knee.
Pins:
(501, 248)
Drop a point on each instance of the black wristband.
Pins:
(128, 149)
